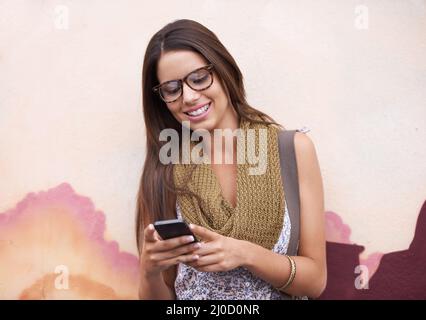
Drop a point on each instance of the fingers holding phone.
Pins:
(158, 254)
(150, 234)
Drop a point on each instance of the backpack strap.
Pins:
(291, 185)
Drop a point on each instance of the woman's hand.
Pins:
(158, 255)
(217, 252)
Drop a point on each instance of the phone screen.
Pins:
(168, 229)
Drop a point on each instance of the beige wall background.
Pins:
(354, 72)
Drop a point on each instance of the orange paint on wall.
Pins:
(60, 231)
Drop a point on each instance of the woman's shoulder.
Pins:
(306, 155)
(308, 167)
(303, 142)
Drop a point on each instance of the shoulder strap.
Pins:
(291, 185)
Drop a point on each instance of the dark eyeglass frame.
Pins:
(208, 67)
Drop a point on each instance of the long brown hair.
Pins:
(156, 199)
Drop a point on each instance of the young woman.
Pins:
(190, 79)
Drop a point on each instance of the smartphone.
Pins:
(168, 229)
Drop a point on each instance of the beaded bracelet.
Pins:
(292, 274)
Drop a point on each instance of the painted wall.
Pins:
(72, 137)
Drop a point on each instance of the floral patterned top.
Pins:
(236, 284)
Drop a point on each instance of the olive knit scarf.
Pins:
(258, 215)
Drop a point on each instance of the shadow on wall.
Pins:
(400, 275)
(52, 246)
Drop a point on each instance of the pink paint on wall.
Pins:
(57, 236)
(339, 232)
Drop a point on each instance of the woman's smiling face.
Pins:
(207, 109)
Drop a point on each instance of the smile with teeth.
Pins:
(199, 111)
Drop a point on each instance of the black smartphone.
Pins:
(173, 228)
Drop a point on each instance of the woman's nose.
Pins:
(189, 95)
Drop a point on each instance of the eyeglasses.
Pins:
(198, 80)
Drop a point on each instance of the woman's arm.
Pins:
(224, 253)
(311, 266)
(154, 288)
(158, 261)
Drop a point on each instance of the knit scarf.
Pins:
(259, 212)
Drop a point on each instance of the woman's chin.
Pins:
(207, 124)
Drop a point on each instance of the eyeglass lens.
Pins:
(197, 80)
